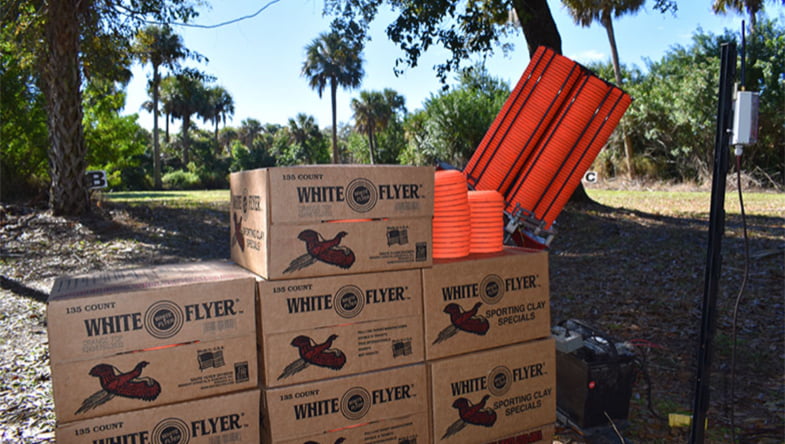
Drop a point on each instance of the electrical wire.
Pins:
(615, 429)
(217, 25)
(738, 300)
(644, 367)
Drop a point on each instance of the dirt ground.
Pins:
(636, 275)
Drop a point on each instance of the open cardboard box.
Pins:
(228, 418)
(293, 222)
(325, 327)
(483, 301)
(493, 394)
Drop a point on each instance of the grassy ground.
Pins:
(176, 198)
(672, 203)
(689, 203)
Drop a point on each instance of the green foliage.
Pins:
(357, 150)
(245, 159)
(391, 142)
(181, 180)
(453, 123)
(114, 143)
(301, 142)
(23, 130)
(185, 94)
(379, 115)
(766, 74)
(211, 168)
(462, 28)
(672, 119)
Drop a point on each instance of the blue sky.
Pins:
(259, 60)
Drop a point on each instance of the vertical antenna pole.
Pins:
(716, 228)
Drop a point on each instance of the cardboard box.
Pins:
(224, 419)
(484, 301)
(324, 220)
(535, 435)
(305, 410)
(489, 395)
(131, 381)
(411, 429)
(132, 339)
(106, 313)
(316, 328)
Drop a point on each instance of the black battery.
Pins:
(595, 379)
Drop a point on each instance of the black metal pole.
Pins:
(716, 228)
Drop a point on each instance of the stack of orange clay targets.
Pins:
(486, 208)
(547, 134)
(451, 217)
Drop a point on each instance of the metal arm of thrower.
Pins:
(527, 224)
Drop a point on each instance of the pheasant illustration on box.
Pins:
(474, 414)
(320, 355)
(328, 251)
(116, 383)
(468, 321)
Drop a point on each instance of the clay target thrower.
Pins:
(542, 142)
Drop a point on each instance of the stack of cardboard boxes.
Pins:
(491, 363)
(346, 331)
(363, 337)
(160, 354)
(339, 250)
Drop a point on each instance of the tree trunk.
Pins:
(186, 141)
(156, 143)
(539, 29)
(370, 143)
(333, 92)
(218, 147)
(166, 133)
(68, 194)
(607, 22)
(538, 25)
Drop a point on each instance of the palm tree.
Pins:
(220, 105)
(249, 129)
(750, 7)
(395, 101)
(332, 59)
(584, 13)
(159, 46)
(62, 75)
(306, 134)
(190, 96)
(167, 99)
(373, 112)
(226, 136)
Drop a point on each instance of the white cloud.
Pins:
(588, 56)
